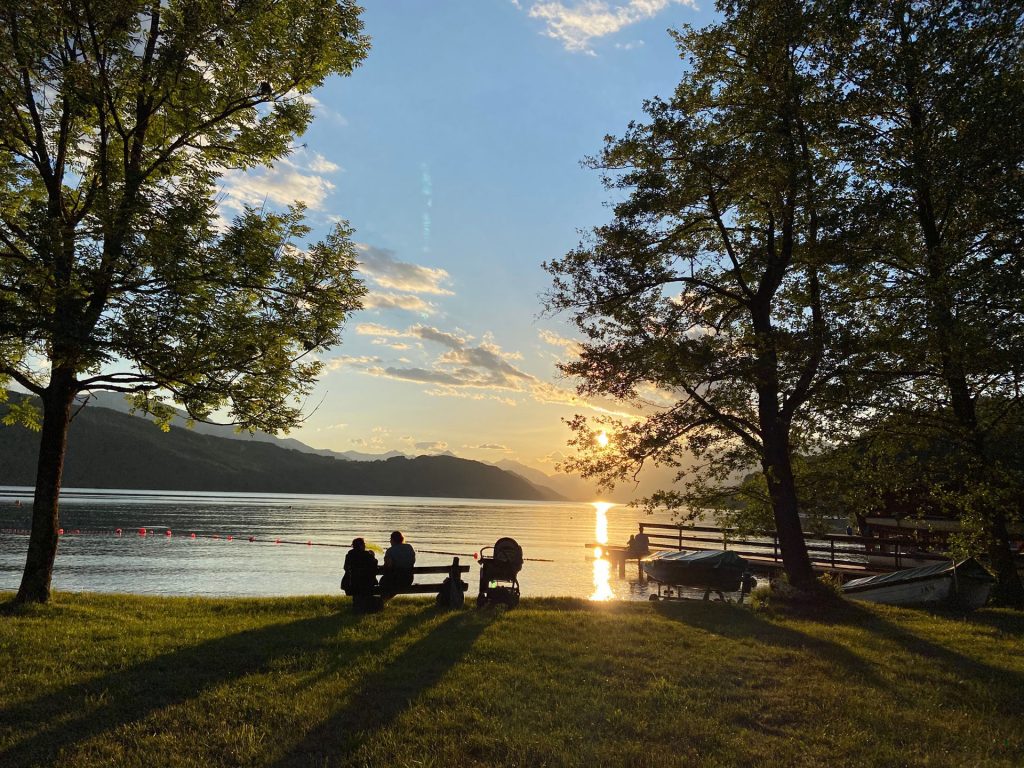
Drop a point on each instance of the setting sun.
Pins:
(602, 439)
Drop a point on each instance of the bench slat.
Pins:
(417, 589)
(420, 569)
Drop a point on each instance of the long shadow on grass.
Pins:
(960, 666)
(1005, 620)
(737, 623)
(172, 678)
(382, 697)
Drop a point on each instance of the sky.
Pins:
(455, 153)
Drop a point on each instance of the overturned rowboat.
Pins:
(963, 585)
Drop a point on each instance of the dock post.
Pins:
(622, 566)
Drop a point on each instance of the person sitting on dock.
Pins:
(360, 569)
(639, 545)
(399, 560)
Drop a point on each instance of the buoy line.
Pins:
(166, 532)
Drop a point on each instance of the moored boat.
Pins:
(965, 585)
(720, 571)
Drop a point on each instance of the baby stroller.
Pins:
(499, 573)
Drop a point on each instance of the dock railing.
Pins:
(837, 552)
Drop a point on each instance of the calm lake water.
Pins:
(96, 559)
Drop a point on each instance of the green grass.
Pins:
(93, 680)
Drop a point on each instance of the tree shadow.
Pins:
(71, 716)
(382, 697)
(737, 623)
(959, 666)
(1005, 620)
(1001, 683)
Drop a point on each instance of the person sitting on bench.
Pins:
(360, 569)
(398, 564)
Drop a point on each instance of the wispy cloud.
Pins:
(569, 347)
(323, 111)
(431, 445)
(389, 300)
(330, 427)
(281, 185)
(473, 369)
(321, 164)
(490, 447)
(350, 361)
(301, 176)
(376, 329)
(387, 271)
(577, 24)
(400, 284)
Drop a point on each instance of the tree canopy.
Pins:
(714, 283)
(117, 120)
(817, 235)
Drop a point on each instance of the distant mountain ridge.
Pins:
(568, 486)
(111, 449)
(116, 402)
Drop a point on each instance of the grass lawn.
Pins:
(93, 680)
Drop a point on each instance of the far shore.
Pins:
(120, 680)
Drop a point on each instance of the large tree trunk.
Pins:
(778, 473)
(1009, 589)
(42, 543)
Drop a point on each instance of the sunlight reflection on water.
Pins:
(602, 567)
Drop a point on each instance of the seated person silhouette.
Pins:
(360, 570)
(399, 560)
(641, 545)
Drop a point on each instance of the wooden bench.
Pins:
(455, 586)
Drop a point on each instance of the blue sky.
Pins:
(454, 152)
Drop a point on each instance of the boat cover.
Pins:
(966, 569)
(714, 570)
(708, 559)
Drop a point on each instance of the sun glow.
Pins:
(602, 439)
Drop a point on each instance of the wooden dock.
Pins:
(619, 556)
(843, 555)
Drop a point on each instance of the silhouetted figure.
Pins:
(360, 570)
(641, 544)
(399, 560)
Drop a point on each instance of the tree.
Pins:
(938, 147)
(116, 120)
(719, 278)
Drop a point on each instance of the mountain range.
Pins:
(110, 448)
(570, 486)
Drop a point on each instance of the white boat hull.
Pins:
(969, 594)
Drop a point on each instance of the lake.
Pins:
(314, 533)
